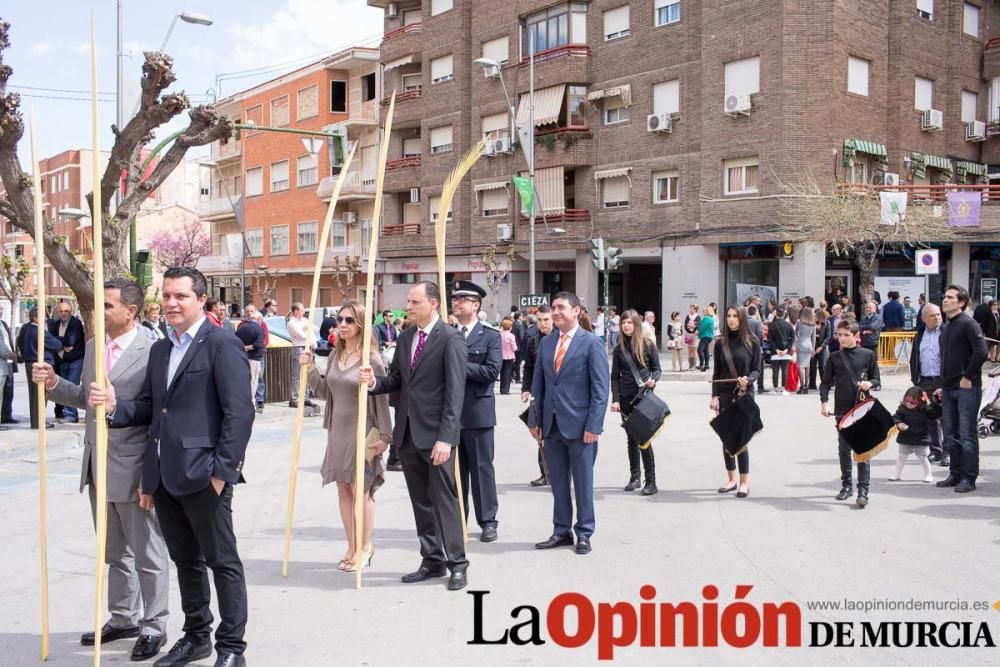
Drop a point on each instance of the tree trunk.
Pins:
(864, 259)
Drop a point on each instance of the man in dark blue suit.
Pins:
(570, 387)
(479, 412)
(197, 403)
(69, 360)
(27, 342)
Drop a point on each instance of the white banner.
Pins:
(911, 286)
(893, 207)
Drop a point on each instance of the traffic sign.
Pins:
(532, 300)
(926, 262)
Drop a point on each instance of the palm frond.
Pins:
(447, 195)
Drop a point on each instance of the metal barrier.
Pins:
(894, 348)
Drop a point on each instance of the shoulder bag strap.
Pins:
(635, 371)
(729, 362)
(854, 377)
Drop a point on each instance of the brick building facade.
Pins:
(757, 94)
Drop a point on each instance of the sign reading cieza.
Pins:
(533, 300)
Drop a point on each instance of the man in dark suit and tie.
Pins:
(27, 343)
(429, 371)
(194, 399)
(570, 387)
(69, 360)
(479, 413)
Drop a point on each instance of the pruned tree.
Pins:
(14, 272)
(156, 108)
(497, 270)
(849, 222)
(345, 276)
(182, 246)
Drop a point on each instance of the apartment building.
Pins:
(277, 183)
(671, 128)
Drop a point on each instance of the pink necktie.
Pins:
(109, 355)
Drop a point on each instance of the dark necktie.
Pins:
(465, 332)
(420, 348)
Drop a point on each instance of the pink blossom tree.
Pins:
(181, 246)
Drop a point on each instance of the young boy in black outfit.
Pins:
(862, 375)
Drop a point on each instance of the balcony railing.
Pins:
(217, 206)
(406, 229)
(920, 192)
(335, 256)
(993, 43)
(402, 97)
(412, 161)
(580, 50)
(399, 32)
(569, 215)
(355, 183)
(212, 264)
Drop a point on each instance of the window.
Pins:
(305, 237)
(442, 70)
(411, 147)
(497, 49)
(434, 203)
(667, 11)
(307, 103)
(925, 9)
(494, 202)
(440, 6)
(742, 176)
(441, 139)
(557, 26)
(615, 192)
(297, 295)
(307, 171)
(857, 75)
(411, 16)
(616, 23)
(326, 296)
(496, 126)
(665, 186)
(970, 20)
(255, 242)
(404, 278)
(667, 97)
(923, 93)
(576, 98)
(279, 240)
(53, 186)
(338, 97)
(412, 82)
(743, 77)
(279, 176)
(279, 111)
(970, 101)
(615, 110)
(338, 234)
(255, 115)
(368, 87)
(65, 180)
(862, 169)
(255, 181)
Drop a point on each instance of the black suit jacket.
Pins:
(430, 395)
(74, 338)
(201, 425)
(482, 370)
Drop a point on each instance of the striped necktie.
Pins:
(561, 351)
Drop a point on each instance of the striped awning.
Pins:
(937, 162)
(611, 173)
(865, 146)
(548, 104)
(498, 185)
(624, 92)
(962, 166)
(405, 60)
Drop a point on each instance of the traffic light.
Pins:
(614, 259)
(597, 250)
(143, 269)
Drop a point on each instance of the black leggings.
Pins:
(703, 354)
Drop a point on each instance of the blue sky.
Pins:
(51, 50)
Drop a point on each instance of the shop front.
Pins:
(984, 272)
(750, 270)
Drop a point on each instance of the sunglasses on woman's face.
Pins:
(348, 319)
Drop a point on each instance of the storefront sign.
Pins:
(926, 262)
(988, 289)
(907, 286)
(532, 300)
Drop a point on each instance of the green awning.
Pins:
(963, 167)
(917, 165)
(937, 162)
(865, 146)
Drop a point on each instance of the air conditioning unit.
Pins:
(414, 195)
(659, 122)
(738, 104)
(891, 180)
(932, 120)
(492, 71)
(497, 146)
(350, 218)
(975, 131)
(392, 10)
(505, 232)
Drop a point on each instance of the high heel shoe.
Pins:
(365, 560)
(344, 563)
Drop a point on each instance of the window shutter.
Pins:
(969, 102)
(667, 97)
(497, 121)
(743, 77)
(441, 136)
(411, 146)
(616, 189)
(616, 21)
(494, 200)
(441, 67)
(497, 49)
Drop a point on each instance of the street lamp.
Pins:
(239, 220)
(194, 19)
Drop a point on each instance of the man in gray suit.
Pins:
(428, 370)
(136, 553)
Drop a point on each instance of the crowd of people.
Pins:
(184, 379)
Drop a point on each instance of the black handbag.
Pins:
(649, 412)
(740, 422)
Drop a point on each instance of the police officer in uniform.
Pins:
(479, 409)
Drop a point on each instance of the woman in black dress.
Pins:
(740, 345)
(635, 347)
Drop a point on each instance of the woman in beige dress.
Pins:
(339, 388)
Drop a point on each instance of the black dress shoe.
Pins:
(110, 633)
(934, 458)
(541, 481)
(394, 466)
(147, 646)
(583, 546)
(727, 489)
(184, 651)
(743, 494)
(862, 500)
(950, 480)
(845, 493)
(423, 574)
(556, 541)
(489, 534)
(10, 420)
(457, 581)
(965, 486)
(945, 462)
(226, 659)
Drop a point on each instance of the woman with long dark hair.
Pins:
(737, 367)
(634, 351)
